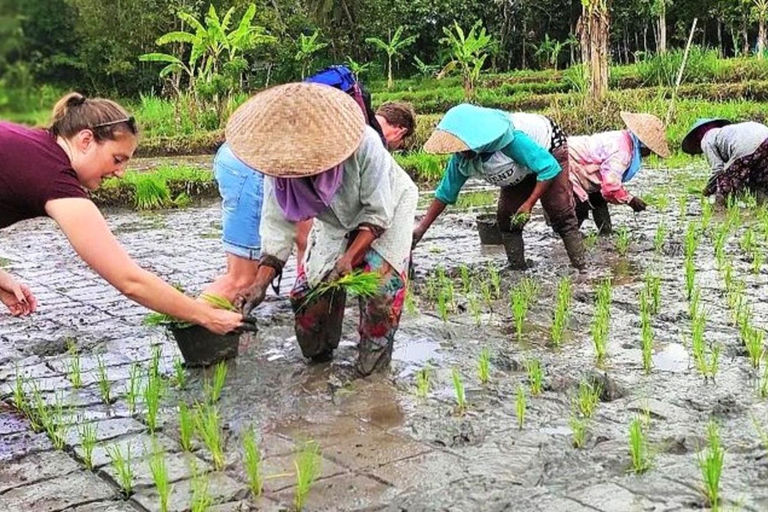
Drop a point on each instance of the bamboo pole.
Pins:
(680, 72)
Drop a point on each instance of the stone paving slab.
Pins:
(221, 489)
(283, 466)
(58, 494)
(431, 469)
(373, 450)
(107, 429)
(14, 446)
(34, 468)
(105, 506)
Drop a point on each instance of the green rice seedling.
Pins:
(520, 406)
(531, 288)
(52, 420)
(218, 301)
(623, 239)
(355, 284)
(758, 258)
(519, 301)
(638, 446)
(495, 279)
(733, 214)
(154, 363)
(690, 277)
(562, 311)
(20, 401)
(748, 241)
(73, 365)
(590, 241)
(87, 433)
(308, 465)
(423, 381)
(587, 398)
(214, 386)
(36, 409)
(601, 321)
(201, 499)
(694, 303)
(682, 206)
(579, 429)
(150, 191)
(186, 427)
(179, 373)
(519, 220)
(466, 281)
(450, 294)
(442, 305)
(473, 301)
(105, 385)
(153, 395)
(653, 287)
(132, 392)
(762, 385)
(535, 376)
(484, 366)
(691, 240)
(711, 465)
(487, 292)
(208, 427)
(458, 387)
(646, 331)
(761, 433)
(123, 467)
(162, 482)
(660, 237)
(252, 462)
(753, 341)
(410, 302)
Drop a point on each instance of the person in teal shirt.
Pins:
(526, 155)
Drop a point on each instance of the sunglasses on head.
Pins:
(130, 121)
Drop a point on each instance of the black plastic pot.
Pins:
(488, 229)
(201, 347)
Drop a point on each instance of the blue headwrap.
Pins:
(634, 164)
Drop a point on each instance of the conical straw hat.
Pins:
(296, 130)
(442, 142)
(650, 130)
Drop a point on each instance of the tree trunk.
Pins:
(390, 80)
(645, 40)
(525, 33)
(745, 38)
(760, 38)
(662, 21)
(594, 34)
(720, 38)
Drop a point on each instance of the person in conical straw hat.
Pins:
(737, 154)
(602, 163)
(526, 155)
(322, 162)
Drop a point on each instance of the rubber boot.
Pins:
(602, 218)
(574, 246)
(515, 249)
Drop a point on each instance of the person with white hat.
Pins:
(603, 162)
(524, 154)
(737, 154)
(322, 162)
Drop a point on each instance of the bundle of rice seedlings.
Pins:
(355, 284)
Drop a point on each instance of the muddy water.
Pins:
(383, 446)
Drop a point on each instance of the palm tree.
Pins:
(393, 48)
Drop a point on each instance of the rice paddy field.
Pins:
(641, 384)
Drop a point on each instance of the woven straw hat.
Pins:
(296, 130)
(692, 140)
(650, 130)
(442, 142)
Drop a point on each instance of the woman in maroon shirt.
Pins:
(43, 172)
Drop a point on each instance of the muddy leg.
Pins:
(379, 320)
(559, 203)
(601, 216)
(510, 199)
(318, 322)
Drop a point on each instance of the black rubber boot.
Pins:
(574, 246)
(602, 218)
(515, 249)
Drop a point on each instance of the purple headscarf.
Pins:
(306, 198)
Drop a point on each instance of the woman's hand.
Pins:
(17, 297)
(221, 321)
(343, 267)
(526, 207)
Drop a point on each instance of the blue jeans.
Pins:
(242, 194)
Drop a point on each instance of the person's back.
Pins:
(736, 140)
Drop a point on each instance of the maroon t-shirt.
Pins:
(33, 170)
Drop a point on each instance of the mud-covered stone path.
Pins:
(383, 446)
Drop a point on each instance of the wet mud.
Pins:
(383, 446)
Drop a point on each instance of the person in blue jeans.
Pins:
(241, 190)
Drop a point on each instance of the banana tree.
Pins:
(357, 68)
(468, 53)
(549, 51)
(393, 48)
(593, 28)
(307, 47)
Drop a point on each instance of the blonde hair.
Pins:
(105, 118)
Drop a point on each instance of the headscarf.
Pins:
(634, 164)
(484, 131)
(306, 198)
